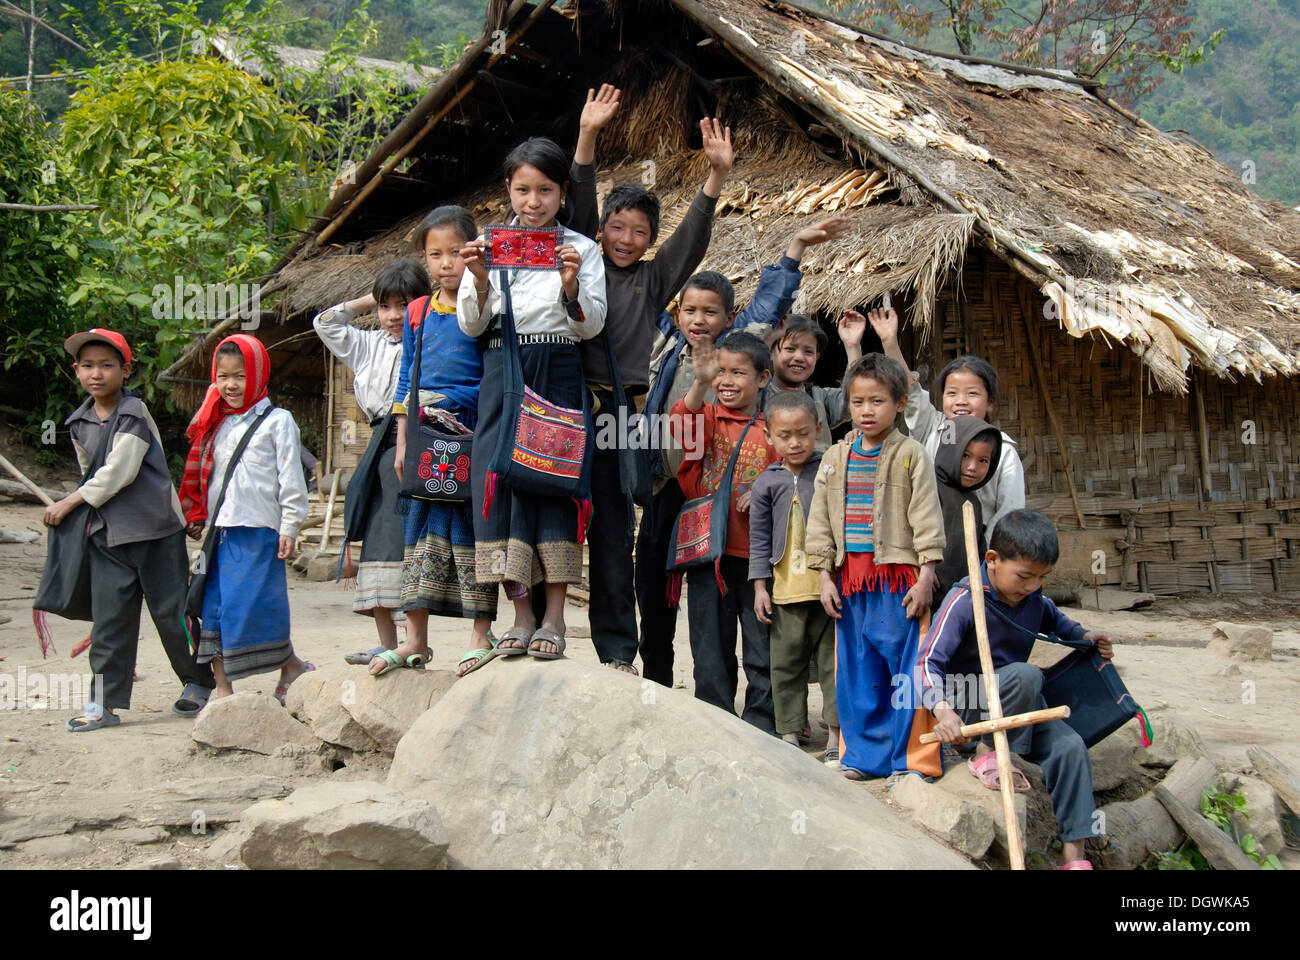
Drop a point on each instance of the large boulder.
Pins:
(249, 721)
(1242, 641)
(962, 822)
(352, 825)
(561, 764)
(1171, 741)
(345, 705)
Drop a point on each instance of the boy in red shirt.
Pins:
(737, 368)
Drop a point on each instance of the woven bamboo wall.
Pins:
(1135, 455)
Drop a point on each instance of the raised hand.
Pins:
(717, 144)
(472, 254)
(599, 109)
(825, 230)
(705, 361)
(570, 262)
(884, 320)
(851, 327)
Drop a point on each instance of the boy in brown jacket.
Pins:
(875, 533)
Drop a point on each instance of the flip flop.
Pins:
(392, 661)
(282, 689)
(1075, 865)
(831, 758)
(853, 774)
(622, 666)
(416, 661)
(543, 635)
(476, 659)
(522, 634)
(192, 699)
(986, 771)
(362, 659)
(92, 719)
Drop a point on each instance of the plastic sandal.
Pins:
(1075, 865)
(986, 771)
(392, 661)
(475, 659)
(417, 660)
(192, 699)
(522, 634)
(543, 635)
(282, 689)
(92, 718)
(622, 666)
(361, 659)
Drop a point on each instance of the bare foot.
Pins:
(219, 691)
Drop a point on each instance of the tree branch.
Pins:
(19, 12)
(51, 208)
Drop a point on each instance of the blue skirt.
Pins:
(245, 621)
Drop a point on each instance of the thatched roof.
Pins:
(1131, 234)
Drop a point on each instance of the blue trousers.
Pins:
(875, 643)
(1054, 746)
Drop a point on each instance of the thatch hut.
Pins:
(1141, 305)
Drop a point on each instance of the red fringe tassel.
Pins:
(674, 589)
(717, 575)
(43, 633)
(584, 519)
(861, 572)
(489, 491)
(81, 647)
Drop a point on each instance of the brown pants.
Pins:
(801, 632)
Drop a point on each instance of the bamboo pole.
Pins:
(1003, 751)
(45, 497)
(329, 509)
(1006, 723)
(1041, 382)
(1202, 435)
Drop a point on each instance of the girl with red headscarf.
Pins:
(245, 618)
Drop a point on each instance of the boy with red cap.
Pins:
(136, 533)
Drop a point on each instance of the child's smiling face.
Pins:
(873, 408)
(100, 371)
(626, 236)
(392, 311)
(442, 246)
(231, 379)
(737, 381)
(535, 197)
(975, 461)
(794, 358)
(702, 315)
(965, 393)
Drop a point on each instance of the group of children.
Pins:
(835, 553)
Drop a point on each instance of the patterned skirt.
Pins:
(438, 570)
(245, 621)
(524, 538)
(379, 574)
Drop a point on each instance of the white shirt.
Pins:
(267, 488)
(537, 298)
(372, 355)
(1004, 493)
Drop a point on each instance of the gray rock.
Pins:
(1133, 830)
(58, 848)
(327, 714)
(1112, 762)
(1265, 820)
(386, 707)
(961, 823)
(321, 566)
(1242, 641)
(139, 836)
(249, 721)
(563, 764)
(157, 863)
(1170, 742)
(343, 826)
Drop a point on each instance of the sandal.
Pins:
(986, 770)
(282, 689)
(623, 666)
(805, 735)
(476, 659)
(1075, 865)
(192, 699)
(92, 718)
(543, 635)
(361, 659)
(416, 661)
(522, 634)
(831, 758)
(853, 774)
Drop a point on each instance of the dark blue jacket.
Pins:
(769, 513)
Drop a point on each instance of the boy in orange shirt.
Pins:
(737, 368)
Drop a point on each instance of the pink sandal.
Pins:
(282, 689)
(986, 769)
(1075, 865)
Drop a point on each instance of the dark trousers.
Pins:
(158, 571)
(658, 617)
(801, 631)
(609, 548)
(712, 616)
(1054, 746)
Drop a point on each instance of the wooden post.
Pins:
(1202, 434)
(329, 414)
(1219, 849)
(1143, 583)
(329, 510)
(991, 689)
(1205, 535)
(1273, 772)
(1006, 723)
(1041, 382)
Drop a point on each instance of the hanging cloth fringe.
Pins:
(861, 572)
(43, 633)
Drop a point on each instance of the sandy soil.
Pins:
(1168, 674)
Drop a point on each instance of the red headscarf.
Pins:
(203, 428)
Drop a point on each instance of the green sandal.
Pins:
(392, 661)
(476, 659)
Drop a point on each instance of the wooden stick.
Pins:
(329, 508)
(1014, 848)
(1219, 849)
(48, 208)
(1273, 772)
(1006, 723)
(1202, 434)
(45, 497)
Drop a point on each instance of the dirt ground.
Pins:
(1157, 656)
